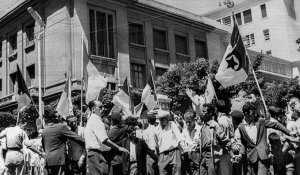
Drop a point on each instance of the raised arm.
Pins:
(72, 135)
(277, 126)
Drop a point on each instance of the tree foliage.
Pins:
(6, 120)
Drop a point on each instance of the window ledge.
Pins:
(29, 46)
(137, 45)
(12, 56)
(96, 57)
(184, 55)
(161, 50)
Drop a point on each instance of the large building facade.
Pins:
(121, 38)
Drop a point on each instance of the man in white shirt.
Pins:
(148, 136)
(97, 142)
(168, 139)
(191, 135)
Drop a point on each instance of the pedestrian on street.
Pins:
(97, 143)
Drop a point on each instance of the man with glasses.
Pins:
(97, 142)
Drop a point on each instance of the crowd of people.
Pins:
(215, 141)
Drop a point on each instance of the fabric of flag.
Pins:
(123, 100)
(149, 97)
(234, 67)
(95, 83)
(209, 92)
(22, 94)
(139, 109)
(65, 106)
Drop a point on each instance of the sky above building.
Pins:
(196, 6)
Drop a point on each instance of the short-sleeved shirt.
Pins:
(15, 137)
(168, 138)
(95, 134)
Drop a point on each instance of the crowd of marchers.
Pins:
(215, 140)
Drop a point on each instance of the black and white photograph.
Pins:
(149, 87)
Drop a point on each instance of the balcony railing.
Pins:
(104, 65)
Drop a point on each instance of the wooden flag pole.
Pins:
(18, 118)
(262, 97)
(82, 82)
(260, 92)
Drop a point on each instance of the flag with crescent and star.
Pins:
(234, 67)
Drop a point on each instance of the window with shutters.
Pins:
(247, 41)
(227, 20)
(102, 33)
(266, 34)
(252, 38)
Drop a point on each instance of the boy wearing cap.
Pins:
(168, 139)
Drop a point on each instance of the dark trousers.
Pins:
(259, 168)
(191, 163)
(225, 164)
(116, 169)
(297, 165)
(56, 170)
(169, 162)
(97, 164)
(75, 169)
(207, 165)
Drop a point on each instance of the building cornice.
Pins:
(163, 11)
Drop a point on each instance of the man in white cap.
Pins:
(168, 140)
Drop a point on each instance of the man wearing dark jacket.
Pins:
(252, 133)
(116, 134)
(54, 140)
(135, 162)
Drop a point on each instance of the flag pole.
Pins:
(260, 92)
(18, 118)
(82, 82)
(253, 72)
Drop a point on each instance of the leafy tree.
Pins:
(6, 120)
